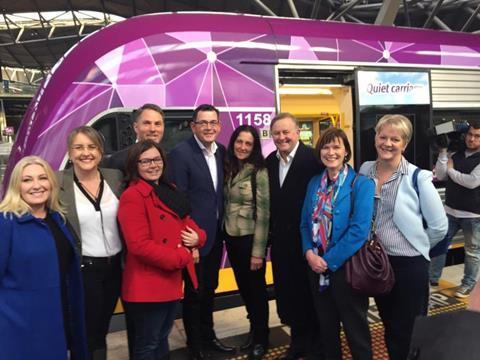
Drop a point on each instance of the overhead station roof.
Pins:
(27, 42)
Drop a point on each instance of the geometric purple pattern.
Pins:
(182, 60)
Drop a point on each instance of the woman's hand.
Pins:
(189, 237)
(256, 263)
(316, 263)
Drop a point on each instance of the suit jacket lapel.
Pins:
(219, 162)
(275, 180)
(199, 159)
(69, 196)
(346, 188)
(292, 171)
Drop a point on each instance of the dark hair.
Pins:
(475, 124)
(232, 164)
(284, 115)
(330, 135)
(204, 107)
(136, 113)
(131, 166)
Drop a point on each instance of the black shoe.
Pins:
(257, 352)
(197, 355)
(216, 345)
(248, 342)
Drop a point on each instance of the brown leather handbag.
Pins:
(369, 270)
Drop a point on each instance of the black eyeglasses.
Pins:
(205, 123)
(148, 162)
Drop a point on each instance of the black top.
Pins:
(65, 258)
(457, 196)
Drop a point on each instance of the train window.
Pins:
(117, 129)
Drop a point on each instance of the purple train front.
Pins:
(181, 60)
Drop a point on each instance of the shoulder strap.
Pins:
(415, 186)
(415, 181)
(253, 181)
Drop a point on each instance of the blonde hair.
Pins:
(400, 122)
(13, 201)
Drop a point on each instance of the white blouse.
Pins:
(99, 231)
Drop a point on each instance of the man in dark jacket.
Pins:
(290, 168)
(196, 167)
(148, 123)
(461, 170)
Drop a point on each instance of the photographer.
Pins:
(461, 170)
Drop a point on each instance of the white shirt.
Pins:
(284, 166)
(470, 181)
(98, 229)
(209, 155)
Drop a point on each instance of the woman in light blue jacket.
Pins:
(400, 212)
(333, 231)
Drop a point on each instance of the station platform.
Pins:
(232, 326)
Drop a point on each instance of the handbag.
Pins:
(369, 271)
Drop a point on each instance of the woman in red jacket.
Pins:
(159, 236)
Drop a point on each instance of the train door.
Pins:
(318, 98)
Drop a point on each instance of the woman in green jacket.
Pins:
(246, 228)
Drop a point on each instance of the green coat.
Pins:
(238, 218)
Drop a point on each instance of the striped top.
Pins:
(391, 237)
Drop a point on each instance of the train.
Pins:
(251, 67)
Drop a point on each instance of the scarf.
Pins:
(173, 198)
(323, 213)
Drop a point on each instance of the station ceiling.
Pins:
(39, 45)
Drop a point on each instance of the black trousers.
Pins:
(294, 297)
(102, 279)
(251, 284)
(407, 300)
(198, 304)
(339, 303)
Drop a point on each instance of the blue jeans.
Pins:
(153, 323)
(471, 232)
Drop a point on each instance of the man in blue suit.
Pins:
(196, 167)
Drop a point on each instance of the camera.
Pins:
(449, 134)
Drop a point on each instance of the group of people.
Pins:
(150, 228)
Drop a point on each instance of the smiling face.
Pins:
(333, 155)
(149, 125)
(84, 153)
(35, 187)
(150, 165)
(389, 144)
(243, 146)
(206, 127)
(285, 135)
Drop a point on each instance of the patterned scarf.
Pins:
(323, 213)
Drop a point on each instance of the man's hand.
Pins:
(256, 263)
(450, 163)
(196, 256)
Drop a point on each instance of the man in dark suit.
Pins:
(290, 168)
(148, 123)
(196, 167)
